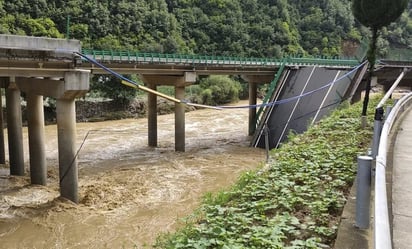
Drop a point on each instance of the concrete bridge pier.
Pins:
(2, 150)
(14, 128)
(253, 81)
(252, 111)
(76, 84)
(64, 89)
(3, 84)
(66, 135)
(152, 116)
(180, 120)
(179, 82)
(37, 151)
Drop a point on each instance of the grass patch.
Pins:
(294, 202)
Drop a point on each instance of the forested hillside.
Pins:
(221, 27)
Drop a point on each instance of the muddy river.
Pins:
(129, 193)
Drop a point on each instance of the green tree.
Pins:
(111, 87)
(23, 25)
(375, 15)
(218, 89)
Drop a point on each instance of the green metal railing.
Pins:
(131, 56)
(269, 93)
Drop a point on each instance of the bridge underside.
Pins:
(40, 67)
(320, 89)
(388, 71)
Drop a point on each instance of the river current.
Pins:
(129, 193)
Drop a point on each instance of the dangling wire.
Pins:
(135, 85)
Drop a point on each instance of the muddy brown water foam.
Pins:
(129, 193)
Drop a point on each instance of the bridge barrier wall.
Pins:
(382, 230)
(38, 43)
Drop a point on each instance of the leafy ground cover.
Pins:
(295, 201)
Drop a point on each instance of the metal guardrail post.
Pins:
(388, 111)
(377, 129)
(363, 191)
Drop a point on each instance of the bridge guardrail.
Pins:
(382, 230)
(132, 56)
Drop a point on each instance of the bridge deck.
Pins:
(126, 62)
(302, 98)
(402, 184)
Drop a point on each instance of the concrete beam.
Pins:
(34, 72)
(75, 84)
(387, 76)
(37, 150)
(38, 86)
(14, 129)
(179, 69)
(258, 79)
(31, 43)
(187, 79)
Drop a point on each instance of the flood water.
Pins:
(129, 193)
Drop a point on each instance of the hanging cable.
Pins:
(135, 85)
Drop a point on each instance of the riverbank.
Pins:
(296, 201)
(89, 110)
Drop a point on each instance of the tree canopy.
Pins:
(375, 15)
(221, 27)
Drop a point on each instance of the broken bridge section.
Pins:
(41, 67)
(302, 97)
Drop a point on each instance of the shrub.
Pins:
(219, 89)
(111, 87)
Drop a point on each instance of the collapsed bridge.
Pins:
(303, 90)
(303, 95)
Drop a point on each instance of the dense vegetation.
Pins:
(294, 202)
(221, 27)
(253, 28)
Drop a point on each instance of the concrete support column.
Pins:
(37, 151)
(2, 152)
(179, 120)
(252, 111)
(66, 135)
(14, 130)
(253, 81)
(152, 117)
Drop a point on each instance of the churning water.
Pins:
(129, 193)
